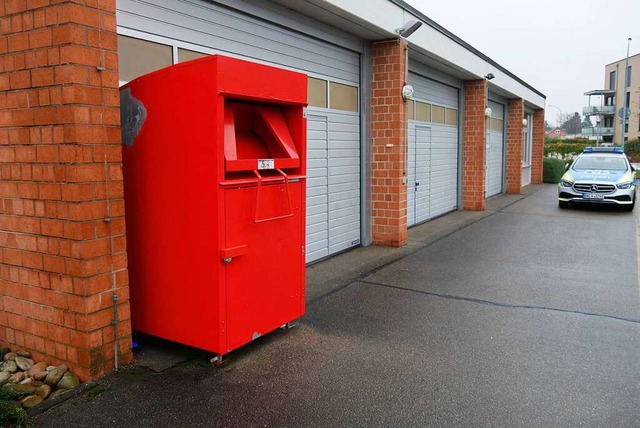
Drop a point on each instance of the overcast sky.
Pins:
(560, 47)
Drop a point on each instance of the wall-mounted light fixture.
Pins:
(525, 122)
(407, 92)
(489, 76)
(409, 28)
(488, 112)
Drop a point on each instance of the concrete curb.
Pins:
(50, 404)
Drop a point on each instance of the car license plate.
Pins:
(592, 196)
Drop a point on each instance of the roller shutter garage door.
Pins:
(495, 150)
(192, 28)
(432, 185)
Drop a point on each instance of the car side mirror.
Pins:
(633, 168)
(566, 166)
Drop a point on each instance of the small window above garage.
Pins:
(188, 55)
(317, 92)
(137, 57)
(343, 97)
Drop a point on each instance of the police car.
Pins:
(601, 175)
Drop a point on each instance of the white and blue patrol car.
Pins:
(601, 175)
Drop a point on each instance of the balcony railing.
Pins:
(597, 131)
(599, 110)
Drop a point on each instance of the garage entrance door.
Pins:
(495, 150)
(432, 150)
(156, 34)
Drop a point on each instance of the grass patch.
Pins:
(10, 414)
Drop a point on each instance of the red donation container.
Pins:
(214, 154)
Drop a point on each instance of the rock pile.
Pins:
(31, 383)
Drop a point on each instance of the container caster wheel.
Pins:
(218, 360)
(287, 326)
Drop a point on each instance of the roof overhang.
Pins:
(601, 92)
(378, 19)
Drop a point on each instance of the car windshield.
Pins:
(611, 163)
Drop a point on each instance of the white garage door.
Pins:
(432, 150)
(495, 150)
(156, 34)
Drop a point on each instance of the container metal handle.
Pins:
(286, 185)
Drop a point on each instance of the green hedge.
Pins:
(552, 170)
(586, 141)
(565, 150)
(632, 149)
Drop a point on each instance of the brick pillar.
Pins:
(389, 143)
(513, 178)
(62, 231)
(475, 136)
(537, 146)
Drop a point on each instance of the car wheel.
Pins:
(563, 204)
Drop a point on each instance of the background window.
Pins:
(612, 80)
(137, 57)
(187, 55)
(437, 114)
(423, 111)
(410, 109)
(451, 116)
(317, 92)
(496, 125)
(628, 76)
(343, 97)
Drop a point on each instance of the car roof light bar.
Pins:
(603, 149)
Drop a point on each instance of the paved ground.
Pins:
(523, 315)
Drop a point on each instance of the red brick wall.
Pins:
(389, 143)
(475, 135)
(513, 176)
(60, 181)
(537, 144)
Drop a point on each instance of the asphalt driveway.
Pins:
(527, 316)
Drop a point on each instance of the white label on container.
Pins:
(266, 164)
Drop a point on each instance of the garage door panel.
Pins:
(348, 126)
(343, 144)
(340, 209)
(317, 212)
(314, 200)
(434, 166)
(344, 153)
(317, 250)
(343, 232)
(313, 182)
(433, 91)
(316, 163)
(316, 139)
(344, 195)
(342, 243)
(343, 161)
(349, 170)
(495, 153)
(317, 229)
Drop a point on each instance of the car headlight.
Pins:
(566, 183)
(625, 185)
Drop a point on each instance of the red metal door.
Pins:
(264, 278)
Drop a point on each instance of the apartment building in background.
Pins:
(611, 100)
